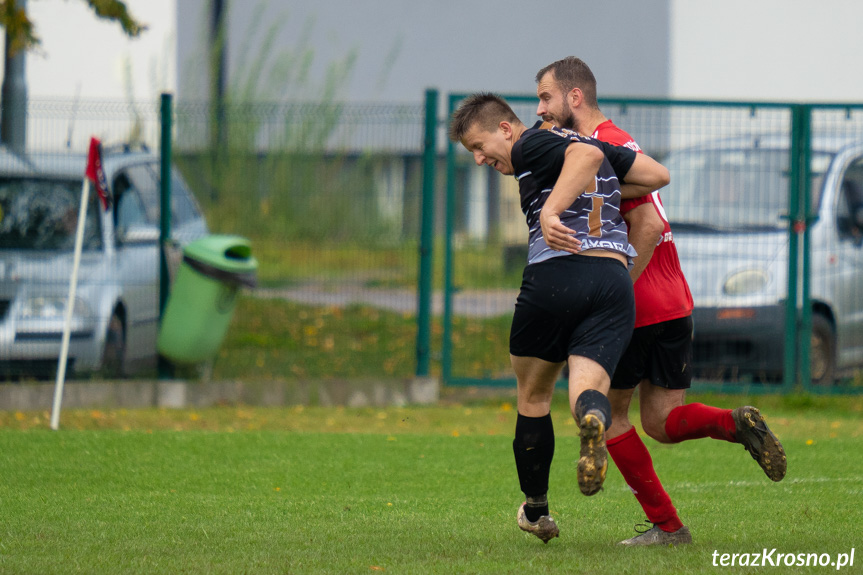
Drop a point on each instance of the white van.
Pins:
(728, 208)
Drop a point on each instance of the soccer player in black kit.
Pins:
(576, 302)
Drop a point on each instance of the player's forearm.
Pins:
(647, 173)
(631, 191)
(645, 232)
(578, 174)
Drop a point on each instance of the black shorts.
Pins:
(660, 353)
(574, 305)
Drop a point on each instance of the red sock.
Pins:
(696, 420)
(635, 464)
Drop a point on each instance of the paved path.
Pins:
(474, 303)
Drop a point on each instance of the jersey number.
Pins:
(594, 219)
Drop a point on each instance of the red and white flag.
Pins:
(96, 174)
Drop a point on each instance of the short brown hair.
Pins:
(572, 72)
(484, 109)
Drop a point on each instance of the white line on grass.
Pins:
(793, 481)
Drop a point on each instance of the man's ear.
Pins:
(574, 98)
(506, 129)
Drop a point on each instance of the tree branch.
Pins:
(21, 34)
(116, 10)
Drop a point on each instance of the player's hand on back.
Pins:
(556, 235)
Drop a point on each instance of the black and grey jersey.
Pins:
(537, 158)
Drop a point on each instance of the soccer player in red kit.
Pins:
(658, 358)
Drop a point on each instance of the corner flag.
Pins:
(96, 174)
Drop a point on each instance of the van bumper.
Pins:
(738, 343)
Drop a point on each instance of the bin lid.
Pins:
(224, 252)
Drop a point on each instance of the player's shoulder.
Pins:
(609, 132)
(550, 131)
(544, 136)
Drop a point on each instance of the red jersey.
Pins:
(661, 291)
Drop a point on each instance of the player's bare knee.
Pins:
(534, 406)
(654, 427)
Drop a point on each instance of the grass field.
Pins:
(432, 489)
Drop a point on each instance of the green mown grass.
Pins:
(431, 489)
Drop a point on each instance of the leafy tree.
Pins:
(21, 34)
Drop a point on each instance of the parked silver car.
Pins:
(116, 309)
(728, 208)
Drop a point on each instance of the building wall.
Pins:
(791, 50)
(786, 50)
(399, 48)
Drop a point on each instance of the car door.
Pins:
(848, 286)
(137, 197)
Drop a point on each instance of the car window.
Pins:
(145, 181)
(733, 189)
(850, 201)
(42, 214)
(142, 179)
(129, 209)
(183, 207)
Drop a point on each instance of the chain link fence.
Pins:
(328, 195)
(763, 203)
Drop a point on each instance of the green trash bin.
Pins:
(203, 297)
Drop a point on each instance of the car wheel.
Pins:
(822, 351)
(114, 354)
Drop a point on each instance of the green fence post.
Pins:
(795, 224)
(446, 352)
(804, 334)
(426, 272)
(165, 370)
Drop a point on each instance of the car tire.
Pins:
(114, 355)
(822, 351)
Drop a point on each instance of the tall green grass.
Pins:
(275, 339)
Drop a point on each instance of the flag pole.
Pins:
(70, 305)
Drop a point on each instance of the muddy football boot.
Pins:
(656, 536)
(545, 528)
(759, 441)
(593, 462)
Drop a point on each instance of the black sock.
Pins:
(592, 400)
(536, 507)
(533, 447)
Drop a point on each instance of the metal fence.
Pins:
(384, 252)
(328, 195)
(764, 202)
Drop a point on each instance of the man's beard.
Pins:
(567, 119)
